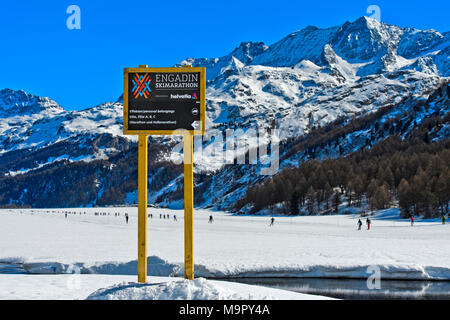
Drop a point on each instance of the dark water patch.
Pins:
(357, 289)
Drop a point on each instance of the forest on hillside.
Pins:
(404, 162)
(413, 174)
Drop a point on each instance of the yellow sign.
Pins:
(159, 101)
(164, 101)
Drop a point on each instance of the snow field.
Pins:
(233, 246)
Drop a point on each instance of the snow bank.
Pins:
(163, 268)
(198, 289)
(156, 265)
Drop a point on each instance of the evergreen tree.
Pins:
(336, 201)
(294, 203)
(310, 200)
(405, 198)
(381, 199)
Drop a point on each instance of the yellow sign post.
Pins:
(188, 207)
(142, 208)
(164, 101)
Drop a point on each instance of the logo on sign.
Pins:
(141, 86)
(194, 96)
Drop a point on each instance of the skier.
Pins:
(210, 219)
(359, 224)
(66, 215)
(272, 220)
(443, 219)
(126, 217)
(160, 216)
(368, 223)
(412, 220)
(174, 217)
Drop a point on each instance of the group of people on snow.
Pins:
(368, 222)
(211, 219)
(164, 216)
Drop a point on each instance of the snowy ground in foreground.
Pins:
(119, 287)
(238, 246)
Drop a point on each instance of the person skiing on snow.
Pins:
(210, 219)
(174, 217)
(368, 223)
(359, 224)
(126, 217)
(443, 219)
(412, 220)
(272, 220)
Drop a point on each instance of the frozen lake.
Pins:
(44, 241)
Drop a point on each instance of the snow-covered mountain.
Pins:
(306, 80)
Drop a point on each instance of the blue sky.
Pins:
(83, 68)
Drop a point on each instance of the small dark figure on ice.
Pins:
(368, 223)
(272, 220)
(443, 219)
(359, 224)
(126, 217)
(412, 220)
(211, 220)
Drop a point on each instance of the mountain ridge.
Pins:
(307, 80)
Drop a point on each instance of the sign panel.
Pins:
(158, 101)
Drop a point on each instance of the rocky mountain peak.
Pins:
(14, 102)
